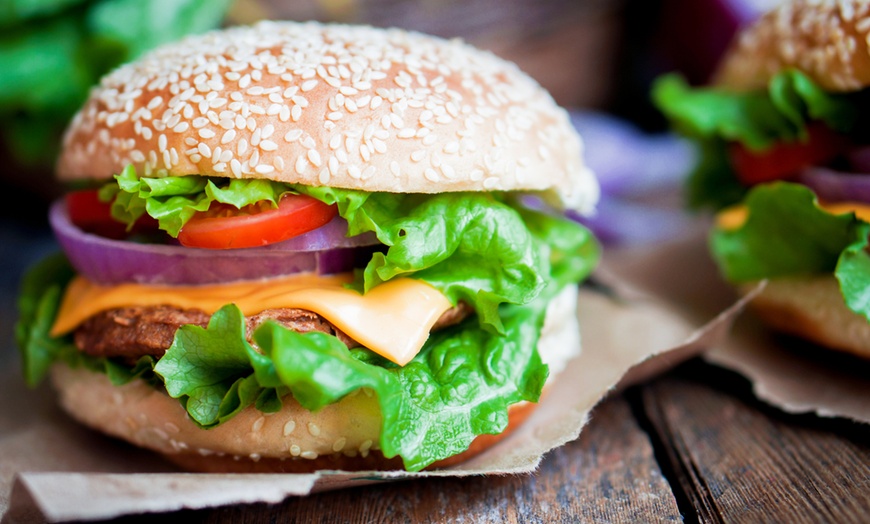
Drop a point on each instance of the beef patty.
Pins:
(131, 332)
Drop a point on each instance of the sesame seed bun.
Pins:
(813, 308)
(336, 105)
(826, 39)
(343, 435)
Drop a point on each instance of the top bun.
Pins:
(344, 106)
(826, 39)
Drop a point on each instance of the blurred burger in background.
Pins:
(785, 161)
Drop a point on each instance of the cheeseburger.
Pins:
(295, 246)
(786, 160)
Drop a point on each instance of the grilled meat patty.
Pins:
(131, 332)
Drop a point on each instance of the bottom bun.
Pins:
(813, 308)
(343, 435)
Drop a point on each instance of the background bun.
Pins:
(344, 106)
(826, 39)
(813, 308)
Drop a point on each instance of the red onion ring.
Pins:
(108, 261)
(836, 186)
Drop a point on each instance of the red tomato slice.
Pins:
(92, 215)
(786, 159)
(225, 227)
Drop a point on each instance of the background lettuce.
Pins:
(714, 117)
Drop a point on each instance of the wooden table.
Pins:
(692, 445)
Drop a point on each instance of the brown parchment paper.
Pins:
(53, 470)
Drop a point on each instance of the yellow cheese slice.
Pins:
(393, 319)
(735, 216)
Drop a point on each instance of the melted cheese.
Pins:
(393, 319)
(734, 217)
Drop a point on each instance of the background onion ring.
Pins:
(836, 186)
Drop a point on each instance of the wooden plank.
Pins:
(608, 475)
(738, 461)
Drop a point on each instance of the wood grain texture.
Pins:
(608, 475)
(737, 461)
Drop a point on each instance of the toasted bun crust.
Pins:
(826, 39)
(813, 308)
(345, 106)
(344, 435)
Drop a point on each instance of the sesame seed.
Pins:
(228, 136)
(292, 135)
(311, 455)
(241, 147)
(289, 426)
(418, 155)
(264, 169)
(339, 444)
(236, 168)
(268, 145)
(295, 450)
(301, 164)
(314, 429)
(155, 102)
(206, 133)
(181, 128)
(314, 157)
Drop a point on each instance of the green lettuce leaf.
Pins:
(853, 272)
(471, 246)
(39, 300)
(174, 200)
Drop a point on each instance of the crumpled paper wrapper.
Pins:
(790, 374)
(645, 311)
